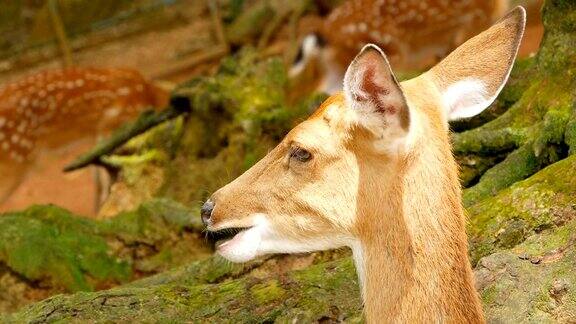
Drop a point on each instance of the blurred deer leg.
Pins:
(102, 181)
(292, 51)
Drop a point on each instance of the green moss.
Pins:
(570, 134)
(553, 128)
(472, 166)
(551, 240)
(533, 134)
(531, 283)
(50, 243)
(49, 247)
(517, 166)
(489, 295)
(544, 103)
(557, 55)
(299, 297)
(492, 141)
(512, 233)
(543, 201)
(250, 23)
(152, 222)
(267, 291)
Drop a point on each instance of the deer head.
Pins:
(304, 195)
(372, 169)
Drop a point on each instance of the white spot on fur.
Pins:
(124, 91)
(112, 113)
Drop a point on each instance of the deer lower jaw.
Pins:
(242, 247)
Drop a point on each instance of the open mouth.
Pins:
(225, 234)
(237, 244)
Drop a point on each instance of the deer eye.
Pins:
(300, 154)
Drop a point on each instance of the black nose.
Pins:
(206, 211)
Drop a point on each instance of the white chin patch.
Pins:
(261, 239)
(242, 247)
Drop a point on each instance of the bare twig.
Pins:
(208, 55)
(60, 31)
(146, 121)
(218, 26)
(293, 35)
(271, 28)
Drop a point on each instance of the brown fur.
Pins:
(56, 107)
(401, 204)
(409, 31)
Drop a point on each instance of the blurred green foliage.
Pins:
(25, 23)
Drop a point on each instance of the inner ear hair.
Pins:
(370, 82)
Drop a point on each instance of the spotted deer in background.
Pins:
(57, 107)
(413, 33)
(372, 169)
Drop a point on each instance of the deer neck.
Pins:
(412, 254)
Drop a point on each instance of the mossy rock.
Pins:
(327, 291)
(46, 242)
(534, 281)
(538, 127)
(183, 159)
(545, 200)
(47, 249)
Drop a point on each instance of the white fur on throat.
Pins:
(359, 263)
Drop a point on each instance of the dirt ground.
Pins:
(153, 53)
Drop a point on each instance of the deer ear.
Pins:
(371, 89)
(472, 76)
